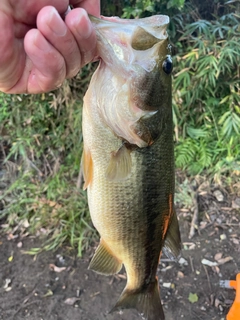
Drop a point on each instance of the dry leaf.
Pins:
(25, 223)
(235, 241)
(180, 274)
(48, 294)
(189, 245)
(236, 203)
(11, 236)
(218, 256)
(167, 285)
(183, 261)
(216, 269)
(209, 263)
(7, 283)
(54, 268)
(217, 302)
(94, 294)
(224, 260)
(71, 301)
(223, 236)
(218, 195)
(19, 245)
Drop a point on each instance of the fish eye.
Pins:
(167, 65)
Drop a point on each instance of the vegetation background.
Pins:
(41, 138)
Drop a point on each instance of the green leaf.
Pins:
(193, 297)
(195, 133)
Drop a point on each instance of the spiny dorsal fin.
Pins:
(120, 164)
(104, 262)
(172, 244)
(87, 167)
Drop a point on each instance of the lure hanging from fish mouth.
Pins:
(128, 158)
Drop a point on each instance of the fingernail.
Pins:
(84, 28)
(56, 24)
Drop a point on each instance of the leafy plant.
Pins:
(46, 145)
(206, 96)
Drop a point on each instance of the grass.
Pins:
(41, 144)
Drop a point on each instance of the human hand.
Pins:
(38, 49)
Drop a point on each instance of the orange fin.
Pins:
(147, 302)
(120, 164)
(87, 167)
(104, 262)
(172, 244)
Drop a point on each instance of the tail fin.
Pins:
(146, 301)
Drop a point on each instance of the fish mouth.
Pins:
(155, 25)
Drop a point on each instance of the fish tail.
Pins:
(146, 301)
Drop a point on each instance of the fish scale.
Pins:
(129, 165)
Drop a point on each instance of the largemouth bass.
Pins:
(128, 159)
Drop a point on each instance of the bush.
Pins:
(206, 97)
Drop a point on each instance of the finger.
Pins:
(53, 28)
(46, 69)
(27, 10)
(81, 27)
(91, 6)
(12, 56)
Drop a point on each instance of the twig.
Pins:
(194, 223)
(48, 164)
(191, 263)
(209, 283)
(24, 306)
(3, 151)
(25, 302)
(34, 167)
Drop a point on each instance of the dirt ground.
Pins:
(58, 285)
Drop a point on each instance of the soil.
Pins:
(58, 285)
(32, 287)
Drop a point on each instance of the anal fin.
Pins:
(120, 164)
(104, 262)
(172, 244)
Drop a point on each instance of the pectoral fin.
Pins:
(120, 164)
(104, 262)
(87, 167)
(172, 244)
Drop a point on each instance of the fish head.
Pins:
(132, 42)
(136, 65)
(153, 88)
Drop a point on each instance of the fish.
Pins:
(128, 157)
